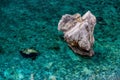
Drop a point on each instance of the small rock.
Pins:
(29, 53)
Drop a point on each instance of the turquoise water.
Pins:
(33, 23)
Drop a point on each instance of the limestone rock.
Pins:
(78, 32)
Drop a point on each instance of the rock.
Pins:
(29, 53)
(78, 32)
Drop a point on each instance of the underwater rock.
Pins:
(78, 32)
(29, 53)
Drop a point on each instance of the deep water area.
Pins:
(33, 24)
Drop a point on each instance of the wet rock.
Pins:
(78, 32)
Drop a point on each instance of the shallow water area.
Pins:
(33, 24)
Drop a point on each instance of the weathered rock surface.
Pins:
(78, 32)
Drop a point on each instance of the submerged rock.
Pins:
(78, 32)
(29, 53)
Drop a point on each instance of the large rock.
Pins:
(78, 32)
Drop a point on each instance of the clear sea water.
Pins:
(33, 24)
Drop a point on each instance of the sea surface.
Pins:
(33, 24)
